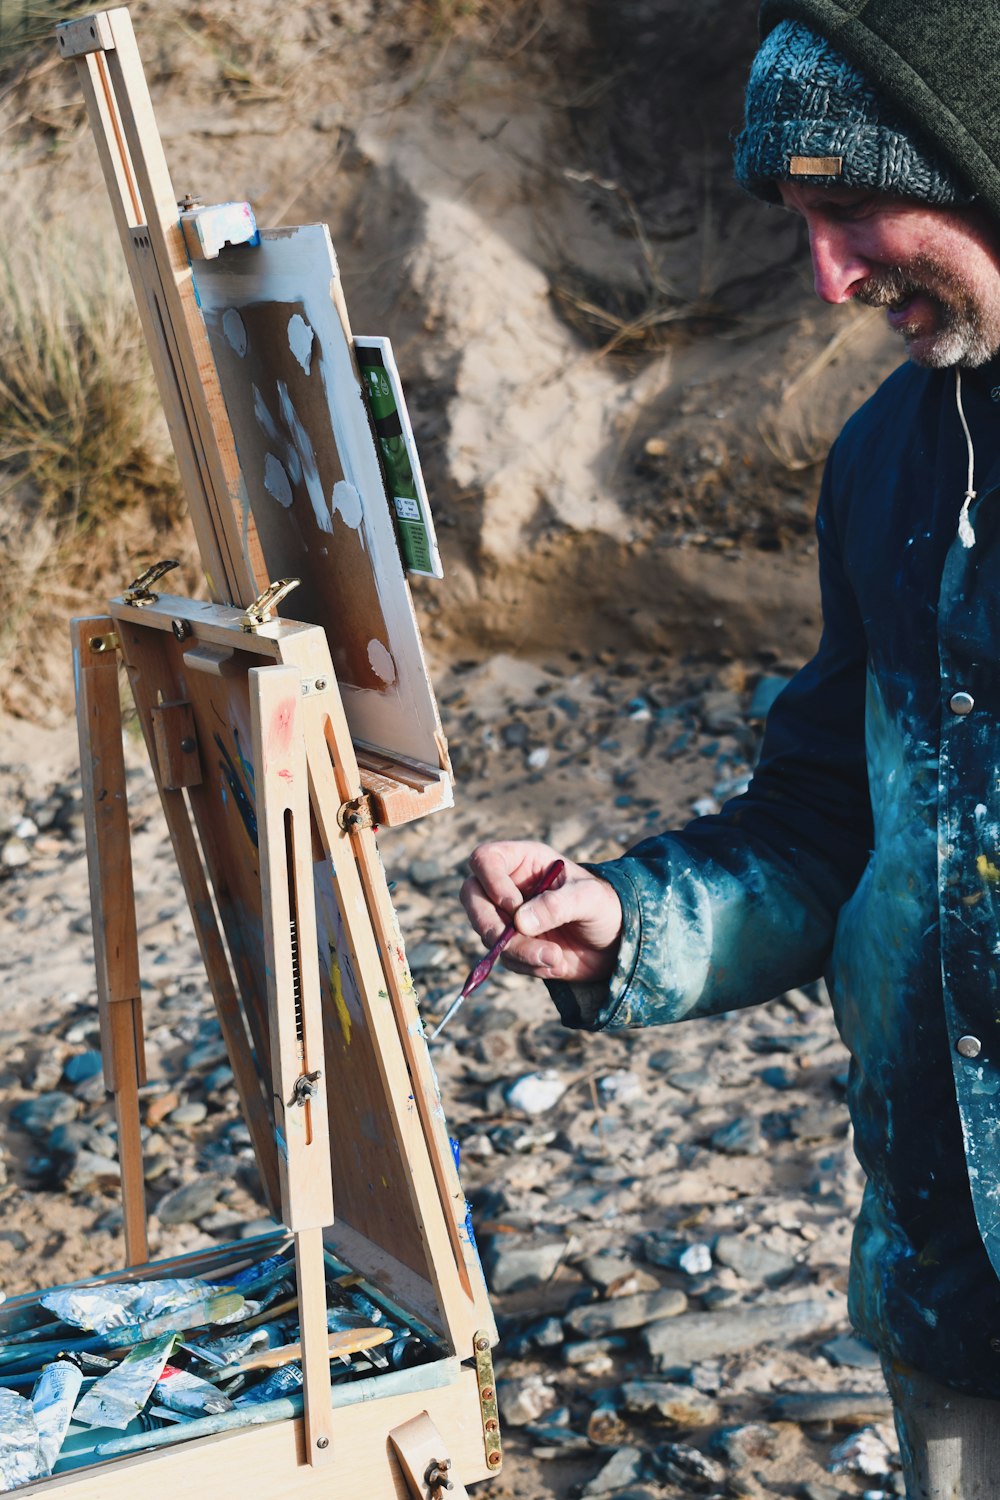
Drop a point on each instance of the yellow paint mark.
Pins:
(337, 991)
(385, 1182)
(987, 870)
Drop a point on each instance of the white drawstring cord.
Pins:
(966, 532)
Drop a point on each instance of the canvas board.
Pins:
(314, 484)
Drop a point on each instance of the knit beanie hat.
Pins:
(811, 115)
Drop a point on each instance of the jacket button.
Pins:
(968, 1046)
(961, 703)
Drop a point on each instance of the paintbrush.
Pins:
(340, 1344)
(484, 968)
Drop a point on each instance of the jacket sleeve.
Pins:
(742, 905)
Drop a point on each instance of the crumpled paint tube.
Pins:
(116, 1398)
(215, 1309)
(188, 1394)
(220, 1353)
(20, 1447)
(281, 1382)
(117, 1304)
(52, 1400)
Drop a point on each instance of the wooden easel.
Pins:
(270, 807)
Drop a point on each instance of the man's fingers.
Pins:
(481, 911)
(588, 903)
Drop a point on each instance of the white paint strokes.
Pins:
(263, 416)
(276, 481)
(346, 502)
(300, 340)
(306, 456)
(235, 330)
(382, 663)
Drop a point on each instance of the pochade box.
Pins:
(351, 1347)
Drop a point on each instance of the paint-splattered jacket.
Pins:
(868, 848)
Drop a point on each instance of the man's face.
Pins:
(936, 271)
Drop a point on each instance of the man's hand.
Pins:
(569, 932)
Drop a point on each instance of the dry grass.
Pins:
(84, 466)
(27, 24)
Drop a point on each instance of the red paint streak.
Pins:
(280, 729)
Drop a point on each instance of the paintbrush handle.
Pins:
(351, 1341)
(484, 968)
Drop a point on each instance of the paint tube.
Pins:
(188, 1394)
(343, 1319)
(281, 1382)
(52, 1400)
(20, 1446)
(219, 1353)
(218, 1308)
(120, 1304)
(116, 1398)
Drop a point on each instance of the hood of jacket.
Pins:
(938, 61)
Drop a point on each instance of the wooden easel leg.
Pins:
(284, 831)
(112, 905)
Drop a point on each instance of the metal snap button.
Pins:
(968, 1046)
(961, 703)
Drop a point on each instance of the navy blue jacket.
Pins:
(868, 848)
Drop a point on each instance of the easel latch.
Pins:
(140, 591)
(261, 611)
(356, 814)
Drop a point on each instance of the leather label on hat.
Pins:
(816, 166)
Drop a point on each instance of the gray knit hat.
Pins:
(811, 115)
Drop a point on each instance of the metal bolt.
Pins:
(187, 744)
(320, 684)
(482, 1345)
(968, 1046)
(322, 1442)
(181, 629)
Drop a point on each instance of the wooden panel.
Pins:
(269, 1463)
(278, 333)
(176, 746)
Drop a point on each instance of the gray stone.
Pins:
(524, 1401)
(863, 1452)
(623, 1467)
(745, 1445)
(517, 1268)
(188, 1204)
(43, 1113)
(682, 1341)
(752, 1260)
(721, 711)
(595, 1319)
(695, 1472)
(593, 1351)
(850, 1352)
(428, 955)
(676, 1405)
(534, 1093)
(741, 1137)
(830, 1406)
(14, 853)
(426, 871)
(92, 1171)
(191, 1113)
(207, 1055)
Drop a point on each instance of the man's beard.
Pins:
(964, 333)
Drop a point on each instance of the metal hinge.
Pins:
(99, 643)
(262, 609)
(140, 592)
(488, 1400)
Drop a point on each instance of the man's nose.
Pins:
(838, 270)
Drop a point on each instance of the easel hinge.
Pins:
(101, 643)
(488, 1400)
(262, 609)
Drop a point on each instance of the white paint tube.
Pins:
(115, 1399)
(188, 1394)
(20, 1448)
(119, 1304)
(52, 1400)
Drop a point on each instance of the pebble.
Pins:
(696, 1336)
(83, 1065)
(91, 1171)
(524, 1401)
(691, 1469)
(751, 1443)
(43, 1113)
(864, 1452)
(534, 1093)
(14, 854)
(830, 1406)
(188, 1204)
(188, 1114)
(676, 1254)
(849, 1351)
(159, 1108)
(677, 1405)
(741, 1137)
(620, 1088)
(518, 1268)
(599, 1318)
(623, 1467)
(752, 1260)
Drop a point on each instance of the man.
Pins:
(868, 845)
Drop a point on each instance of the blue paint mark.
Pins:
(231, 778)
